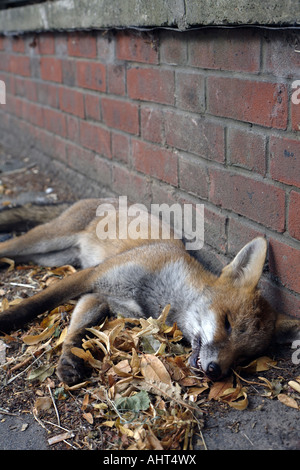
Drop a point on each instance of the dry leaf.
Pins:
(294, 385)
(88, 417)
(259, 365)
(153, 370)
(63, 270)
(34, 339)
(288, 401)
(8, 261)
(218, 388)
(42, 404)
(86, 356)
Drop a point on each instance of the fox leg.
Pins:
(90, 310)
(52, 238)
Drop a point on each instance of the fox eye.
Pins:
(227, 324)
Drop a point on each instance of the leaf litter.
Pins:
(142, 393)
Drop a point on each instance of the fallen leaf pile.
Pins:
(142, 393)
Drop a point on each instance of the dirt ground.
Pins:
(261, 413)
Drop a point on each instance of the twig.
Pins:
(5, 412)
(53, 401)
(39, 421)
(19, 284)
(25, 370)
(203, 441)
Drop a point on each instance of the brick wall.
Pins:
(202, 116)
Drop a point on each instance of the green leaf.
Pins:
(139, 401)
(41, 373)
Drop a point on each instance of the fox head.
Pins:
(238, 323)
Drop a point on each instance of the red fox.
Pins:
(225, 318)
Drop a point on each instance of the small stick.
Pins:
(53, 401)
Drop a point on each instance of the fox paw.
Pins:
(72, 369)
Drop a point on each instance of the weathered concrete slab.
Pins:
(181, 14)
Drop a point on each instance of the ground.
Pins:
(135, 399)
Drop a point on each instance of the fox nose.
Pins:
(213, 371)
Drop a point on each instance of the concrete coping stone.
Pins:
(60, 15)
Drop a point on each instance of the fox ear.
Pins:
(246, 268)
(287, 329)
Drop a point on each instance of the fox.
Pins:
(224, 317)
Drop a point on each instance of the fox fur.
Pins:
(225, 318)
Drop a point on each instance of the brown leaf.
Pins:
(288, 401)
(88, 417)
(10, 262)
(153, 369)
(42, 404)
(218, 388)
(294, 385)
(34, 339)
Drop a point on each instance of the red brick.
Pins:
(82, 45)
(1, 43)
(285, 160)
(92, 107)
(51, 145)
(173, 50)
(195, 135)
(258, 102)
(136, 48)
(33, 113)
(88, 163)
(106, 47)
(5, 61)
(281, 57)
(55, 122)
(31, 90)
(68, 68)
(61, 44)
(51, 69)
(284, 262)
(120, 115)
(47, 94)
(136, 187)
(256, 200)
(46, 44)
(116, 79)
(247, 149)
(18, 44)
(151, 85)
(193, 177)
(240, 232)
(295, 116)
(71, 101)
(155, 161)
(294, 215)
(19, 86)
(281, 299)
(215, 229)
(91, 75)
(73, 128)
(20, 65)
(152, 124)
(229, 50)
(15, 105)
(120, 147)
(190, 91)
(95, 138)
